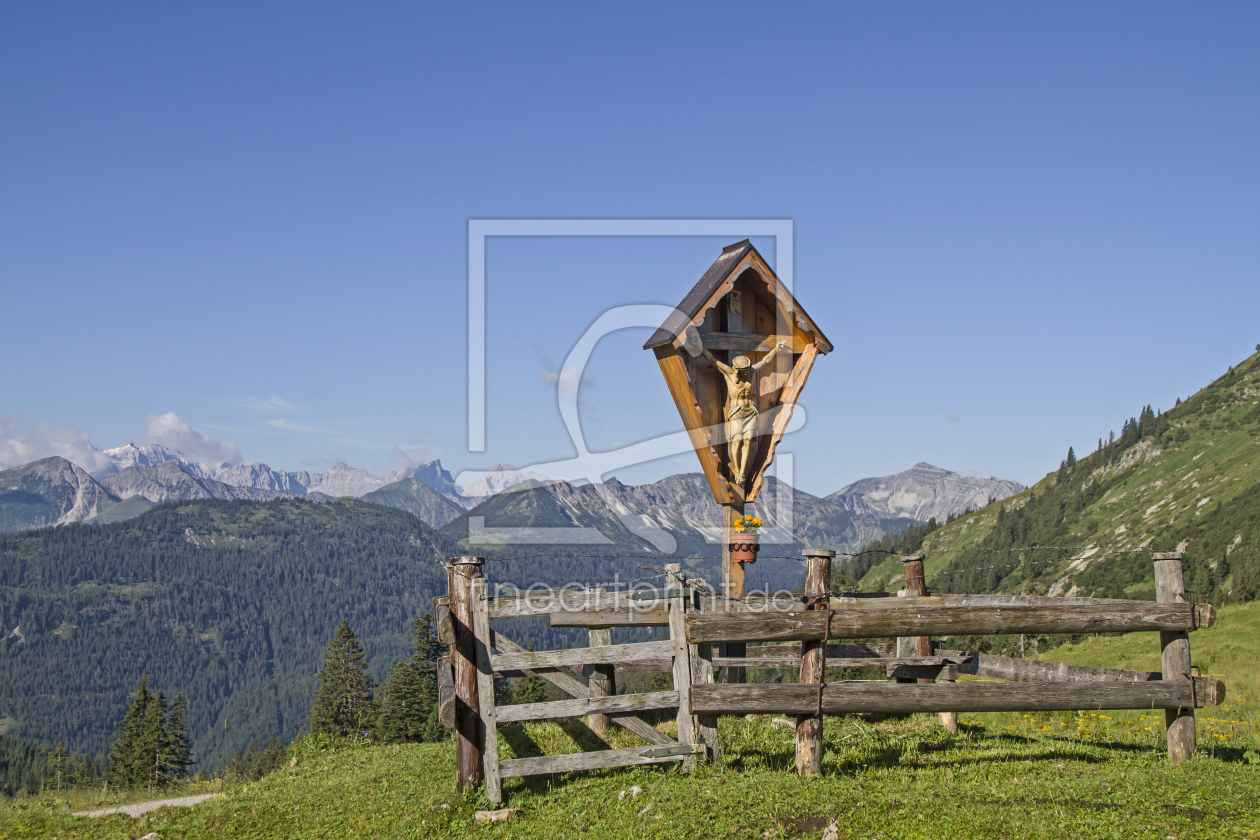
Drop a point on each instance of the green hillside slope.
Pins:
(418, 499)
(1186, 479)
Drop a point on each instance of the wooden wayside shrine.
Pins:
(740, 307)
(812, 631)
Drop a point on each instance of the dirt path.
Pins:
(143, 808)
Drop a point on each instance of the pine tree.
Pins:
(177, 736)
(344, 704)
(1071, 458)
(127, 766)
(408, 699)
(154, 743)
(404, 710)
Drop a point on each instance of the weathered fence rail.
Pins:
(810, 632)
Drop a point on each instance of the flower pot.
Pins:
(744, 547)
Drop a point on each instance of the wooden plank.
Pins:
(446, 692)
(600, 760)
(752, 342)
(442, 620)
(847, 698)
(1175, 653)
(656, 615)
(1027, 670)
(948, 600)
(485, 693)
(588, 706)
(848, 662)
(858, 650)
(916, 619)
(685, 400)
(583, 656)
(664, 665)
(546, 601)
(682, 660)
(460, 573)
(574, 688)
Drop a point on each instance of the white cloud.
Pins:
(971, 472)
(272, 403)
(168, 430)
(568, 379)
(290, 426)
(408, 459)
(23, 441)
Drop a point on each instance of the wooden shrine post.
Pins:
(813, 662)
(732, 587)
(1170, 588)
(461, 571)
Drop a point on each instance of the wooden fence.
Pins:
(810, 632)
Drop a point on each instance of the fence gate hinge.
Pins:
(667, 750)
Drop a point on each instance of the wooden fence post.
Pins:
(682, 657)
(813, 662)
(732, 587)
(1170, 588)
(600, 679)
(468, 734)
(916, 582)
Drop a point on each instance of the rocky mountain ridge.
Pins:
(657, 517)
(676, 515)
(922, 492)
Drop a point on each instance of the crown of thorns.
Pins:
(740, 362)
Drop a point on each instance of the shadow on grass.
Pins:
(1234, 755)
(518, 739)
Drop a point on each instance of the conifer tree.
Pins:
(408, 698)
(177, 736)
(344, 703)
(126, 756)
(155, 748)
(1071, 458)
(404, 711)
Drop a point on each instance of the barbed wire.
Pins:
(658, 573)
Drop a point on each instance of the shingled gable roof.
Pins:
(717, 274)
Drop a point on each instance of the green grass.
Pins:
(907, 779)
(1047, 775)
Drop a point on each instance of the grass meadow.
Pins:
(1051, 775)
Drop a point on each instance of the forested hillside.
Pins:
(1186, 479)
(233, 603)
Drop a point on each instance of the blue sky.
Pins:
(1018, 223)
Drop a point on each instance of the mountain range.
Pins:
(676, 514)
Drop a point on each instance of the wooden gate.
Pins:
(796, 631)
